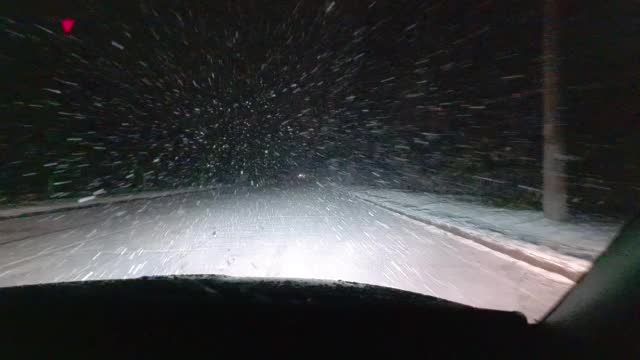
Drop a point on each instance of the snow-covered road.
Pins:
(307, 231)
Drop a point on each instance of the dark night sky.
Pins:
(402, 93)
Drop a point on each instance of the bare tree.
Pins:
(554, 202)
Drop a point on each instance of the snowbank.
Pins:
(89, 201)
(563, 248)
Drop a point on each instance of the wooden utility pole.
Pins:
(554, 198)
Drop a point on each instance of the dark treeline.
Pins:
(441, 96)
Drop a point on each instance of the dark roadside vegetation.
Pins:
(436, 96)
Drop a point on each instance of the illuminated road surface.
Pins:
(306, 232)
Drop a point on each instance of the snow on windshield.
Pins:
(485, 153)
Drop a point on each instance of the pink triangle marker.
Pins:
(67, 25)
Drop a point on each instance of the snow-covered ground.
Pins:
(565, 248)
(99, 198)
(309, 231)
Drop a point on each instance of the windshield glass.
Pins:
(481, 152)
